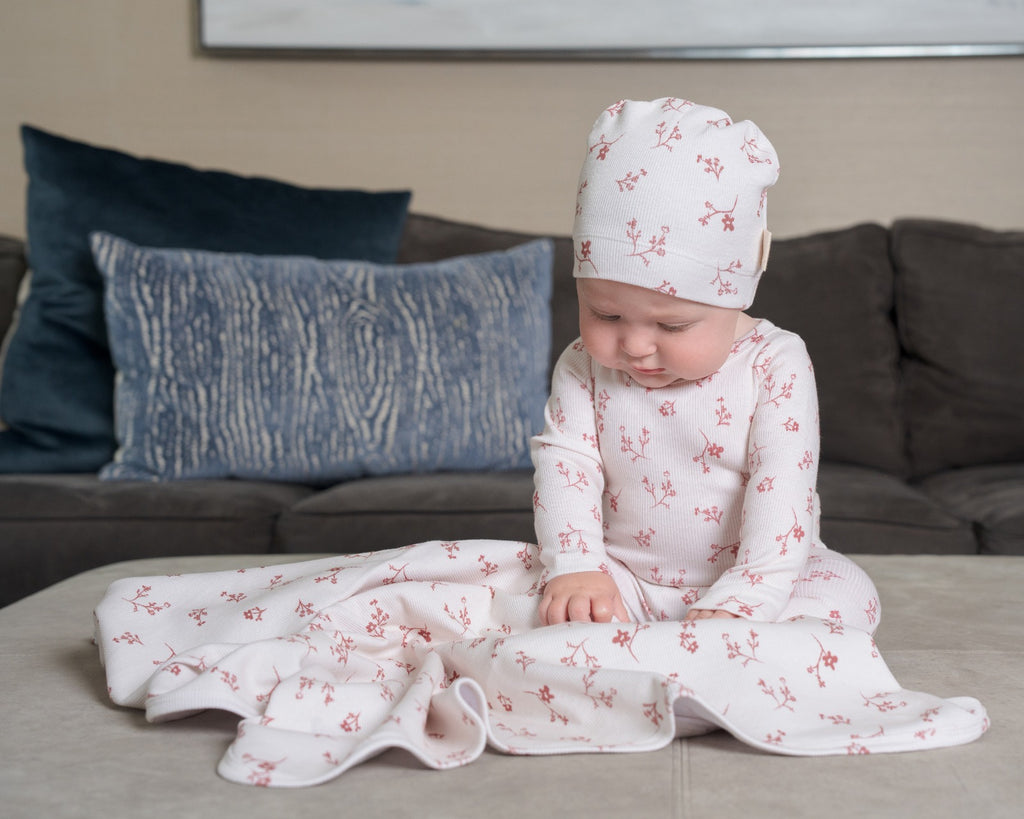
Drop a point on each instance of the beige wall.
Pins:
(500, 142)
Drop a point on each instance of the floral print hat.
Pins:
(673, 197)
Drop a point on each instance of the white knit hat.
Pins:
(673, 197)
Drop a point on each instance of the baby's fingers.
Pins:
(581, 609)
(620, 611)
(710, 614)
(607, 609)
(552, 611)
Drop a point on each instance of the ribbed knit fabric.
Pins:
(436, 648)
(700, 494)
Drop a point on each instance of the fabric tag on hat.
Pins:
(766, 246)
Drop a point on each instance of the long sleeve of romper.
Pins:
(780, 504)
(568, 475)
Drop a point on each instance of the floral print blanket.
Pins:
(436, 648)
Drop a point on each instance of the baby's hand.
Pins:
(710, 614)
(588, 597)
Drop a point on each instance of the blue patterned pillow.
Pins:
(290, 368)
(57, 388)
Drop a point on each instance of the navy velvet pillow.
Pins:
(294, 369)
(56, 393)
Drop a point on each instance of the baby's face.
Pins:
(654, 338)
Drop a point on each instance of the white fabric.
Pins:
(329, 662)
(701, 494)
(673, 197)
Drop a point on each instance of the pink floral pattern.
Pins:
(714, 479)
(715, 173)
(348, 658)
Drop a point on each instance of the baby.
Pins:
(675, 477)
(675, 481)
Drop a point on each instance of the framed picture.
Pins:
(611, 29)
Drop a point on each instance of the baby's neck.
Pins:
(744, 324)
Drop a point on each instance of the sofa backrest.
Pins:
(914, 332)
(835, 289)
(959, 296)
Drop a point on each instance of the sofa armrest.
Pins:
(12, 271)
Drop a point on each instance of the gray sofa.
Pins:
(914, 332)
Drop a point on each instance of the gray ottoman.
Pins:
(951, 625)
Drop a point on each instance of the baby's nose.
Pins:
(637, 345)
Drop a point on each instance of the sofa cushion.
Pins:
(396, 510)
(290, 368)
(12, 271)
(57, 388)
(959, 289)
(429, 239)
(56, 525)
(835, 290)
(863, 511)
(991, 498)
(867, 511)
